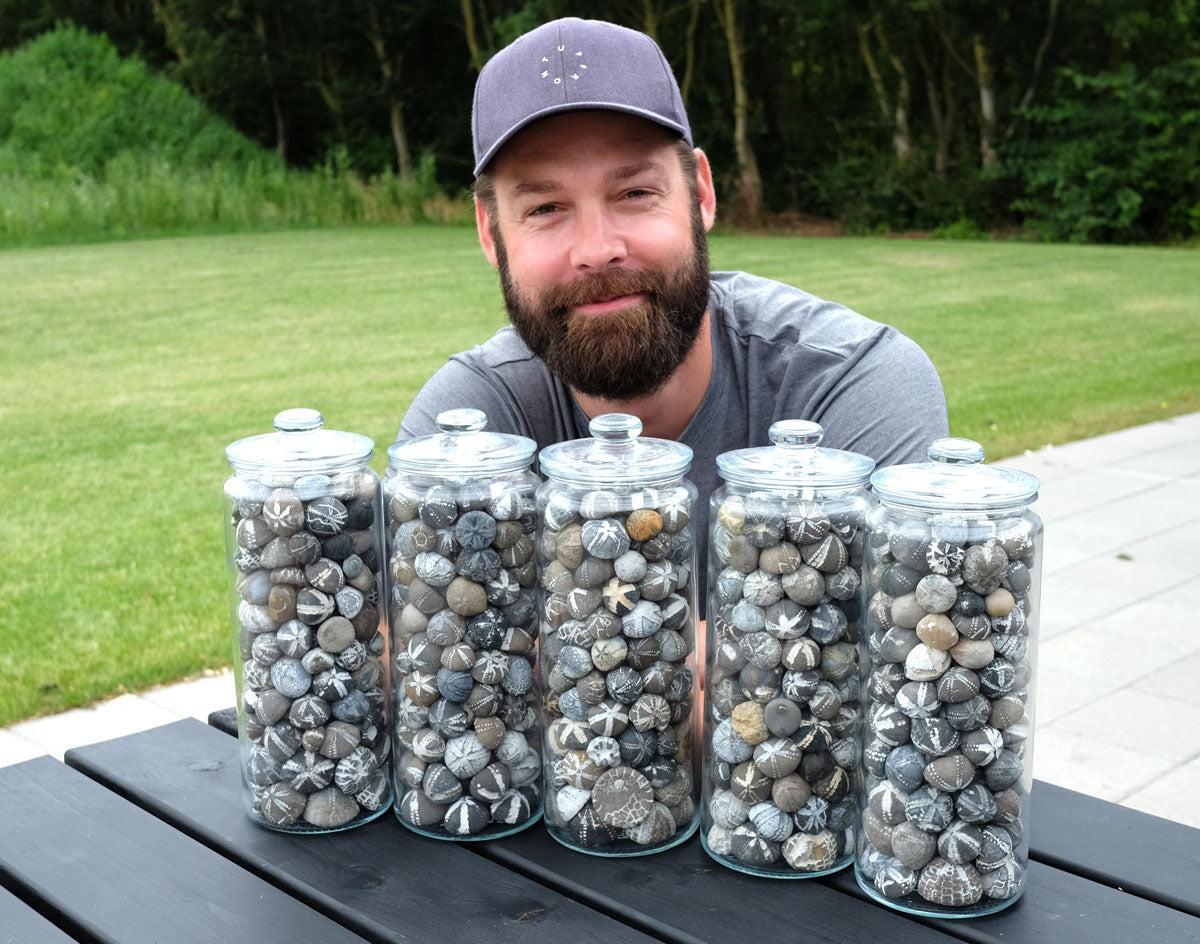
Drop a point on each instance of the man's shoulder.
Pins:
(503, 378)
(503, 351)
(752, 308)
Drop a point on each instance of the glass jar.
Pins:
(782, 655)
(460, 528)
(616, 565)
(952, 581)
(303, 547)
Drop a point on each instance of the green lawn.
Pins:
(126, 368)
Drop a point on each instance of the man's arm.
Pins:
(885, 401)
(459, 384)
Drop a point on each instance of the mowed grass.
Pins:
(126, 368)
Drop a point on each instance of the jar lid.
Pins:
(462, 448)
(300, 443)
(616, 455)
(796, 460)
(955, 478)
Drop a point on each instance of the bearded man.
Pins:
(594, 206)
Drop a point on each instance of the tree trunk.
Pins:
(175, 42)
(1035, 73)
(748, 183)
(689, 53)
(389, 67)
(901, 136)
(951, 100)
(864, 47)
(327, 87)
(400, 138)
(281, 129)
(941, 113)
(651, 15)
(987, 104)
(468, 15)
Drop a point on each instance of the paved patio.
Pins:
(1119, 655)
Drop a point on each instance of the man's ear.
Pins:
(705, 192)
(483, 225)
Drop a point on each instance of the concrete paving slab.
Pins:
(1039, 464)
(1175, 547)
(1059, 693)
(1168, 506)
(1174, 795)
(127, 714)
(1112, 448)
(1099, 587)
(1083, 492)
(1091, 765)
(1179, 681)
(1141, 721)
(1066, 548)
(1180, 459)
(1116, 650)
(15, 749)
(1082, 537)
(195, 698)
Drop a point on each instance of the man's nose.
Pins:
(598, 241)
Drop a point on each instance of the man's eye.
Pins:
(544, 210)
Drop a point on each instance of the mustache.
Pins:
(592, 288)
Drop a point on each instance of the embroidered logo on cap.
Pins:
(579, 66)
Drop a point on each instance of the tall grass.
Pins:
(93, 146)
(135, 195)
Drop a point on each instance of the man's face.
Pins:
(600, 242)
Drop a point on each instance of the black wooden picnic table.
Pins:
(143, 839)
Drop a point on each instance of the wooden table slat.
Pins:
(79, 850)
(20, 924)
(683, 895)
(1145, 855)
(403, 887)
(721, 901)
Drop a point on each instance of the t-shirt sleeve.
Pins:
(885, 400)
(461, 384)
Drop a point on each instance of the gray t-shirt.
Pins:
(778, 353)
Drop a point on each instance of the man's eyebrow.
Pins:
(632, 170)
(533, 187)
(625, 172)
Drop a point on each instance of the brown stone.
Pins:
(936, 631)
(643, 524)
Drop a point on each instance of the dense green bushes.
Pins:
(93, 145)
(1118, 157)
(67, 100)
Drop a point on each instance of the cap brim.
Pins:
(559, 109)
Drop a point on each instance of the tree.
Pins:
(748, 181)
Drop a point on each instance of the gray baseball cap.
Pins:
(572, 65)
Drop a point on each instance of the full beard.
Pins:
(626, 354)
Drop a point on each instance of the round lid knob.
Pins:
(793, 434)
(615, 427)
(299, 420)
(461, 421)
(954, 451)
